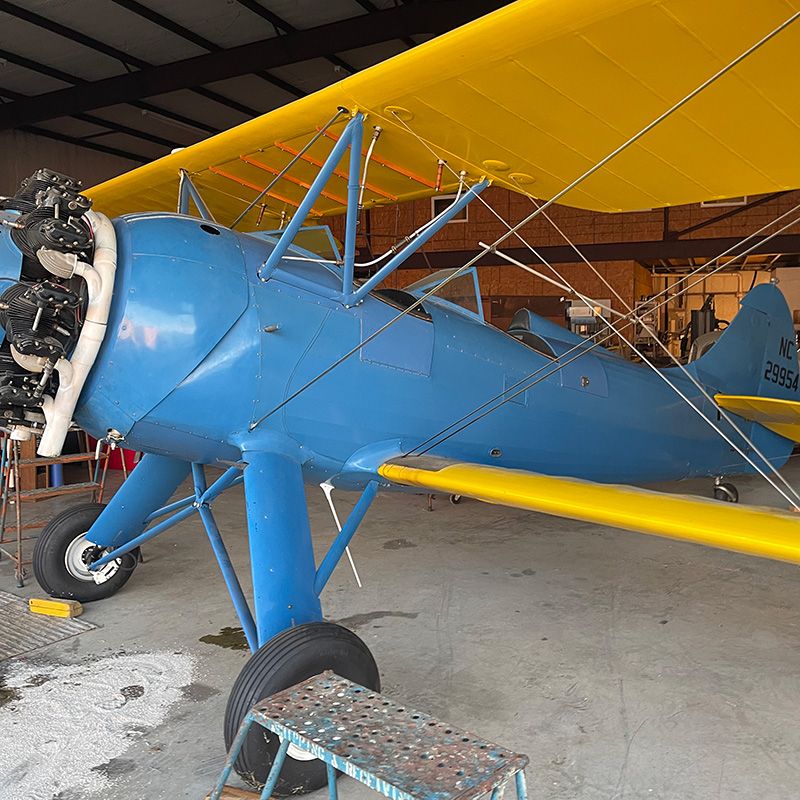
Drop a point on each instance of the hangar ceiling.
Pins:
(137, 79)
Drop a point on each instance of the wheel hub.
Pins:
(298, 754)
(81, 553)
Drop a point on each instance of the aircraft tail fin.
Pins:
(756, 355)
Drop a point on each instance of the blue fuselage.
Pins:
(199, 347)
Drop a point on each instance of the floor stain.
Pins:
(115, 767)
(359, 620)
(398, 544)
(230, 638)
(66, 795)
(7, 695)
(198, 692)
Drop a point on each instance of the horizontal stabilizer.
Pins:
(780, 416)
(752, 530)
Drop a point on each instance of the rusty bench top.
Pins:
(395, 749)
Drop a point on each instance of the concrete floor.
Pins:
(625, 666)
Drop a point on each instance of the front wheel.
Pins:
(62, 555)
(288, 658)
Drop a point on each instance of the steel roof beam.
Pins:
(275, 52)
(732, 212)
(369, 6)
(190, 36)
(644, 251)
(281, 24)
(73, 140)
(114, 127)
(66, 77)
(112, 52)
(100, 148)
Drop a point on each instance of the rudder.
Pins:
(757, 352)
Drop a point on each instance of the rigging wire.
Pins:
(633, 318)
(657, 121)
(698, 385)
(608, 337)
(263, 193)
(364, 342)
(574, 184)
(711, 423)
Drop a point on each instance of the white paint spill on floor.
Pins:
(65, 720)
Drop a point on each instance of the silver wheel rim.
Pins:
(78, 556)
(293, 751)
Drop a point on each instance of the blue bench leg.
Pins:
(275, 772)
(333, 792)
(233, 754)
(522, 791)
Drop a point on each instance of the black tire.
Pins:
(50, 558)
(286, 659)
(726, 492)
(455, 499)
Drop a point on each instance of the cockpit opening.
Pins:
(520, 330)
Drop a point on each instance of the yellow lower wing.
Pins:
(752, 530)
(780, 416)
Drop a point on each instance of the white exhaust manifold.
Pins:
(72, 373)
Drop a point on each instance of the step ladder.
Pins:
(396, 750)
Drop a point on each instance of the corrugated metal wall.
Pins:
(21, 153)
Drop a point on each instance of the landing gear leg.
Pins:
(294, 642)
(726, 492)
(79, 536)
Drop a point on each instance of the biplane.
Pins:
(197, 309)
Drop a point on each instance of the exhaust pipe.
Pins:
(72, 373)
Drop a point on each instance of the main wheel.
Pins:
(286, 659)
(62, 556)
(726, 492)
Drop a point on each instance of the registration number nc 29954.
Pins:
(784, 376)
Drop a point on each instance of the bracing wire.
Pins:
(698, 385)
(265, 191)
(632, 318)
(582, 345)
(512, 230)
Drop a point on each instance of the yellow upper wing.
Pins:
(532, 95)
(752, 530)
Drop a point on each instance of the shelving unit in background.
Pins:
(19, 478)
